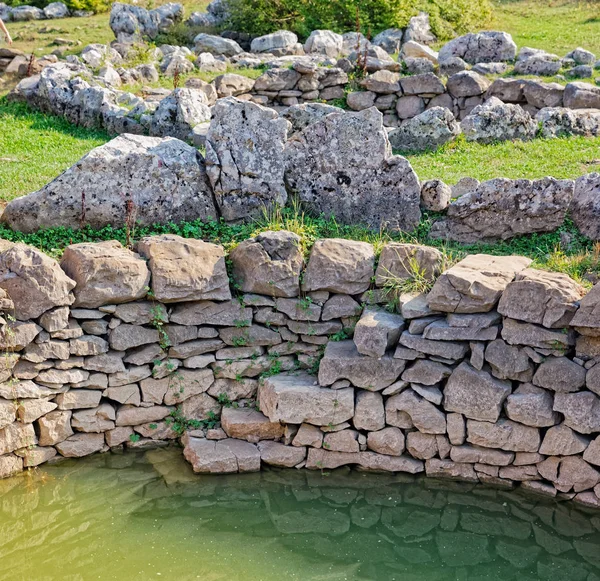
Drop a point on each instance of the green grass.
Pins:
(559, 158)
(35, 148)
(557, 26)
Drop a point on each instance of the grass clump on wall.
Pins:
(448, 17)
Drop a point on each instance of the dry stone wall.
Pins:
(490, 377)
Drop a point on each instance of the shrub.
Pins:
(448, 17)
(89, 5)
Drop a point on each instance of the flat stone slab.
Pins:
(319, 459)
(249, 424)
(220, 456)
(343, 361)
(376, 331)
(293, 398)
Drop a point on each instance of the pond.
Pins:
(145, 515)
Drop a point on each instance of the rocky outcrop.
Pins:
(480, 47)
(380, 188)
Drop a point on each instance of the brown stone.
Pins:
(81, 445)
(249, 424)
(389, 441)
(504, 434)
(129, 415)
(54, 427)
(221, 456)
(276, 454)
(563, 441)
(369, 413)
(423, 414)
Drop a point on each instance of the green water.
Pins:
(145, 515)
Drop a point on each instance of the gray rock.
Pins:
(56, 10)
(360, 100)
(301, 116)
(581, 96)
(585, 211)
(426, 131)
(329, 179)
(560, 374)
(169, 178)
(496, 121)
(216, 45)
(570, 473)
(508, 362)
(517, 333)
(532, 61)
(244, 158)
(369, 413)
(409, 106)
(442, 331)
(504, 434)
(407, 261)
(502, 208)
(426, 84)
(282, 39)
(419, 29)
(580, 72)
(376, 331)
(475, 284)
(413, 49)
(389, 441)
(132, 23)
(563, 441)
(343, 361)
(467, 84)
(531, 406)
(542, 95)
(475, 394)
(418, 66)
(424, 415)
(435, 195)
(25, 13)
(390, 40)
(230, 84)
(382, 82)
(481, 47)
(178, 114)
(426, 372)
(562, 122)
(452, 65)
(324, 42)
(580, 410)
(444, 349)
(490, 68)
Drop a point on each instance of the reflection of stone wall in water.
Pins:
(357, 526)
(489, 377)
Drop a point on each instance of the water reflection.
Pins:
(145, 515)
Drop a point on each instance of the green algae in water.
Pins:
(140, 516)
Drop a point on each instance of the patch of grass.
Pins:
(35, 148)
(557, 26)
(560, 158)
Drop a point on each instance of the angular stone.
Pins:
(195, 348)
(475, 394)
(88, 345)
(244, 157)
(54, 428)
(421, 446)
(475, 454)
(129, 415)
(96, 420)
(234, 389)
(295, 399)
(450, 470)
(342, 441)
(376, 331)
(249, 336)
(28, 410)
(340, 306)
(569, 473)
(423, 414)
(560, 374)
(276, 454)
(200, 407)
(268, 264)
(531, 406)
(248, 424)
(141, 313)
(504, 434)
(125, 394)
(339, 266)
(130, 375)
(118, 436)
(457, 430)
(228, 313)
(516, 333)
(428, 130)
(222, 456)
(545, 298)
(298, 309)
(389, 441)
(475, 284)
(562, 441)
(310, 330)
(380, 190)
(128, 336)
(185, 269)
(15, 436)
(445, 349)
(33, 281)
(78, 398)
(342, 361)
(105, 273)
(426, 372)
(308, 435)
(443, 331)
(81, 445)
(481, 47)
(111, 362)
(581, 411)
(40, 352)
(55, 320)
(170, 186)
(508, 362)
(369, 413)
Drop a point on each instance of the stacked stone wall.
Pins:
(491, 376)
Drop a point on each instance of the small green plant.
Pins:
(180, 424)
(224, 400)
(240, 340)
(339, 336)
(134, 438)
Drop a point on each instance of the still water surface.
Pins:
(145, 515)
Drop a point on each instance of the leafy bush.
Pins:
(448, 17)
(89, 5)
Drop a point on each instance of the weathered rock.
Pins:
(475, 284)
(389, 441)
(580, 410)
(426, 131)
(560, 374)
(342, 441)
(28, 410)
(248, 424)
(185, 269)
(216, 45)
(516, 333)
(319, 459)
(324, 42)
(480, 47)
(78, 399)
(581, 96)
(33, 281)
(585, 207)
(531, 406)
(504, 434)
(423, 414)
(537, 62)
(562, 441)
(563, 122)
(545, 298)
(442, 331)
(378, 190)
(406, 261)
(250, 336)
(130, 22)
(451, 470)
(369, 413)
(467, 84)
(282, 39)
(81, 445)
(88, 345)
(222, 456)
(54, 428)
(268, 264)
(343, 361)
(276, 454)
(301, 116)
(508, 362)
(477, 455)
(129, 415)
(96, 420)
(295, 399)
(570, 473)
(15, 436)
(376, 331)
(435, 195)
(308, 435)
(445, 349)
(426, 372)
(339, 266)
(244, 158)
(475, 394)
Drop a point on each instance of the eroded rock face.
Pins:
(105, 273)
(269, 264)
(501, 208)
(377, 189)
(426, 131)
(475, 284)
(244, 158)
(181, 111)
(480, 47)
(166, 182)
(185, 269)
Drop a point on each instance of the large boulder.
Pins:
(34, 281)
(533, 61)
(426, 131)
(324, 42)
(178, 114)
(475, 284)
(581, 95)
(268, 264)
(166, 182)
(585, 207)
(419, 29)
(216, 45)
(562, 122)
(301, 116)
(480, 47)
(545, 298)
(244, 158)
(282, 39)
(105, 273)
(131, 23)
(501, 208)
(25, 13)
(56, 10)
(497, 121)
(343, 166)
(185, 269)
